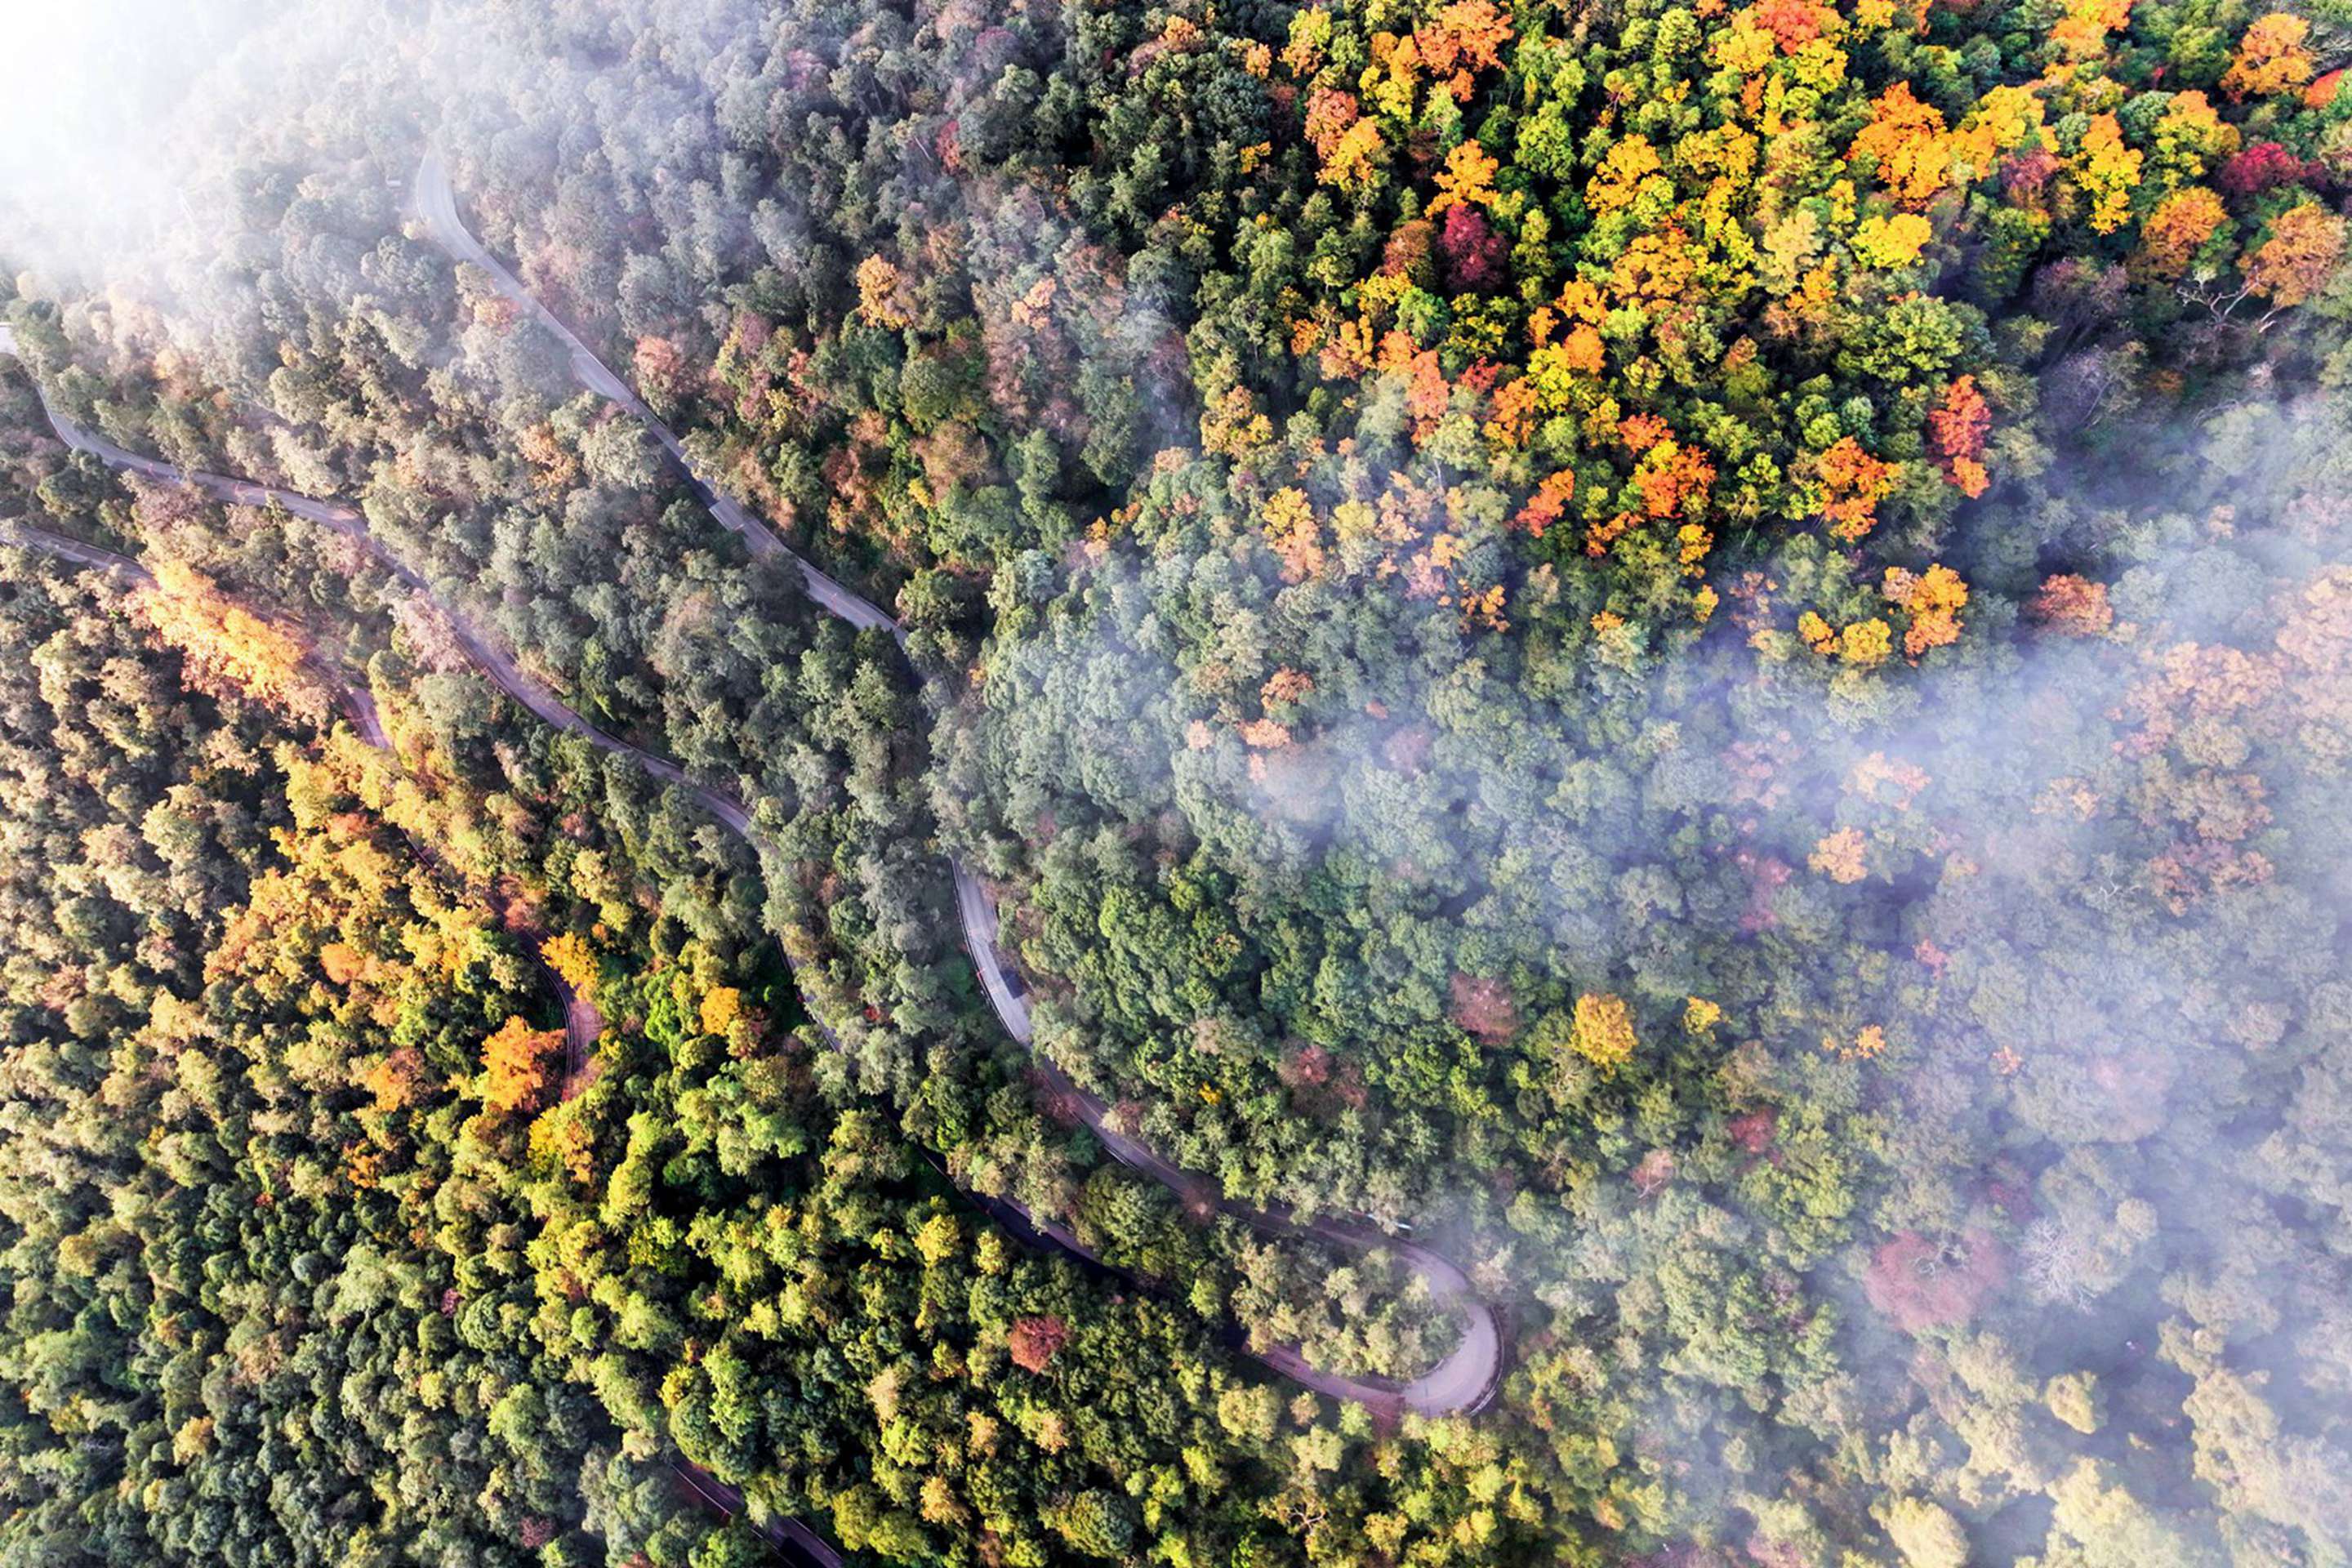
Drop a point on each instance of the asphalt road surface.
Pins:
(1467, 1377)
(1465, 1381)
(437, 205)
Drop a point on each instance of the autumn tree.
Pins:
(2072, 605)
(1033, 1342)
(515, 1063)
(2271, 57)
(2299, 257)
(1601, 1031)
(1958, 426)
(229, 645)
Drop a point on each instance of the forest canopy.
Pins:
(1432, 781)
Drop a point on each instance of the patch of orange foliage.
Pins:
(1906, 139)
(1933, 599)
(1852, 484)
(1463, 39)
(1839, 856)
(514, 1064)
(1959, 426)
(2072, 607)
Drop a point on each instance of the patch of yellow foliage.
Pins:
(1602, 1030)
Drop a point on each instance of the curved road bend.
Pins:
(581, 1022)
(358, 702)
(1465, 1381)
(437, 203)
(796, 1541)
(1468, 1378)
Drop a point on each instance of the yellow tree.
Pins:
(2106, 171)
(1601, 1031)
(2271, 57)
(2299, 257)
(1293, 535)
(574, 960)
(230, 649)
(514, 1064)
(1933, 599)
(2172, 235)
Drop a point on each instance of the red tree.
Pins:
(1484, 1007)
(1034, 1341)
(1920, 1284)
(1473, 252)
(2258, 168)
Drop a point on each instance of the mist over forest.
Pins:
(1332, 786)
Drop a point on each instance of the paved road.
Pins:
(437, 203)
(584, 1024)
(1467, 1377)
(26, 535)
(358, 702)
(795, 1541)
(1465, 1381)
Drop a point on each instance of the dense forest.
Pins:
(1406, 783)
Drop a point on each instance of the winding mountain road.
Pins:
(437, 205)
(348, 521)
(581, 1022)
(1467, 1377)
(1465, 1381)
